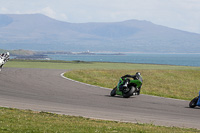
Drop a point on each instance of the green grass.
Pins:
(89, 65)
(26, 121)
(179, 84)
(162, 80)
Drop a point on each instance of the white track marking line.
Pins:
(62, 75)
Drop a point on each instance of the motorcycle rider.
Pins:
(135, 77)
(4, 57)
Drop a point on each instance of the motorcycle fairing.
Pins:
(121, 82)
(138, 83)
(198, 102)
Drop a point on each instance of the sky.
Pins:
(178, 14)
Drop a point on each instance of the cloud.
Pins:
(48, 12)
(63, 17)
(3, 10)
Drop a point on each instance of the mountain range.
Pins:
(41, 33)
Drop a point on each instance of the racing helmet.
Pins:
(138, 73)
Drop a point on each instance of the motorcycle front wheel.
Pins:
(113, 92)
(193, 103)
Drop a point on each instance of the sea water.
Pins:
(169, 59)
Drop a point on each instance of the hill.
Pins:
(39, 32)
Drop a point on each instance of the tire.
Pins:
(193, 103)
(113, 92)
(129, 93)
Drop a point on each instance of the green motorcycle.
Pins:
(128, 85)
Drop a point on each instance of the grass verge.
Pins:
(22, 121)
(74, 65)
(179, 84)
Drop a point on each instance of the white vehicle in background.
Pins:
(4, 57)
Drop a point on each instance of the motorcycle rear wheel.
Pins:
(193, 103)
(129, 93)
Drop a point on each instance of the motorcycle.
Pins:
(127, 87)
(4, 57)
(195, 102)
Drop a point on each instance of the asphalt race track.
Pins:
(46, 90)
